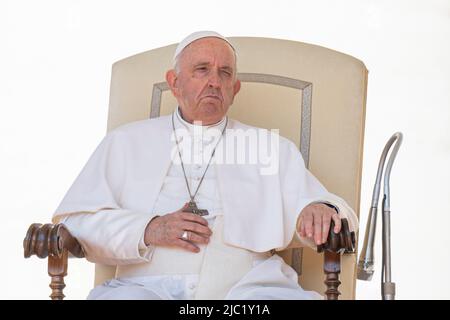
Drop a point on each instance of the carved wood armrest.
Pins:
(55, 242)
(337, 244)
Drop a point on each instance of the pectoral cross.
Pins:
(193, 209)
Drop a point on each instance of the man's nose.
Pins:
(214, 80)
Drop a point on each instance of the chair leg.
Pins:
(332, 268)
(57, 270)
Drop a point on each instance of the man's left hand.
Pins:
(315, 220)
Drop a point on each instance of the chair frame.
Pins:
(55, 242)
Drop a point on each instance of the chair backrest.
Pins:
(315, 97)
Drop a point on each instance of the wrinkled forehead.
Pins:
(207, 49)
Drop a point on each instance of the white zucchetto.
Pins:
(195, 36)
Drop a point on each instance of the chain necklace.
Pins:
(192, 205)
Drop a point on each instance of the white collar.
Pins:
(195, 128)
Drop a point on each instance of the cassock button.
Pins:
(192, 286)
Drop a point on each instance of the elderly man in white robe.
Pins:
(181, 229)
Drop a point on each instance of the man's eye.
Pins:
(201, 69)
(228, 73)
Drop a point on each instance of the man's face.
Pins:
(206, 83)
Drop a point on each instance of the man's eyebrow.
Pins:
(228, 68)
(204, 64)
(201, 64)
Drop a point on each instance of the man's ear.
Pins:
(171, 78)
(237, 86)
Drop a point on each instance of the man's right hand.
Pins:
(167, 230)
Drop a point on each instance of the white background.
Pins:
(55, 63)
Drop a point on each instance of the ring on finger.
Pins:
(185, 235)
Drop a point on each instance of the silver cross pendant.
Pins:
(192, 208)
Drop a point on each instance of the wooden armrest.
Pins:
(337, 244)
(55, 242)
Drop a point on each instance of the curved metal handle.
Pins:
(366, 259)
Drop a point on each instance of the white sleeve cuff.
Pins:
(111, 237)
(145, 251)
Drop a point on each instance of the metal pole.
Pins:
(366, 259)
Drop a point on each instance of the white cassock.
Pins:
(133, 176)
